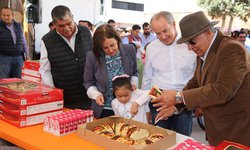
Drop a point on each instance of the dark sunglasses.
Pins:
(191, 42)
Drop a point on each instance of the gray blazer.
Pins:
(96, 74)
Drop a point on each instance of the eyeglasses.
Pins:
(191, 42)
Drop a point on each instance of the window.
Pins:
(127, 5)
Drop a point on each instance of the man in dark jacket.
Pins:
(63, 54)
(13, 45)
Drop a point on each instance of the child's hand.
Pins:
(134, 108)
(100, 100)
(133, 87)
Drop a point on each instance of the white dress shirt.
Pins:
(140, 97)
(168, 66)
(45, 68)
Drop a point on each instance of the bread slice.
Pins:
(124, 129)
(98, 129)
(139, 134)
(107, 134)
(107, 127)
(118, 128)
(153, 138)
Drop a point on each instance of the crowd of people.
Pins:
(110, 72)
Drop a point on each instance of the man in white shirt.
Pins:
(63, 54)
(168, 66)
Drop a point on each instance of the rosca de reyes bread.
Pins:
(127, 134)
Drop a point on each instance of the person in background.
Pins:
(221, 83)
(234, 34)
(51, 26)
(63, 55)
(112, 23)
(13, 46)
(147, 36)
(247, 43)
(135, 40)
(87, 24)
(108, 58)
(168, 66)
(129, 102)
(241, 36)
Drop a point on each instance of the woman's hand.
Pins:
(134, 108)
(100, 100)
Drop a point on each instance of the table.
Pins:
(34, 138)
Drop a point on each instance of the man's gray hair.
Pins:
(60, 12)
(165, 14)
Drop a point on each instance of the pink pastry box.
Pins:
(23, 92)
(67, 122)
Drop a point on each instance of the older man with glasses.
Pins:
(220, 85)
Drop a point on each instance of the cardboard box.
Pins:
(32, 78)
(23, 92)
(85, 131)
(23, 121)
(32, 65)
(30, 109)
(30, 72)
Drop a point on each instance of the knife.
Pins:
(154, 124)
(130, 119)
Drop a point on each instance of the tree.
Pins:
(223, 8)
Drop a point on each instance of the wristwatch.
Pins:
(178, 97)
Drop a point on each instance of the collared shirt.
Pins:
(11, 27)
(145, 40)
(45, 68)
(205, 56)
(168, 66)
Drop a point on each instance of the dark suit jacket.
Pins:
(222, 90)
(96, 74)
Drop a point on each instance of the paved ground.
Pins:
(197, 133)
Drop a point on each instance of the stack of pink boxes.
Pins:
(25, 103)
(67, 122)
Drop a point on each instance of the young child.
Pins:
(130, 102)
